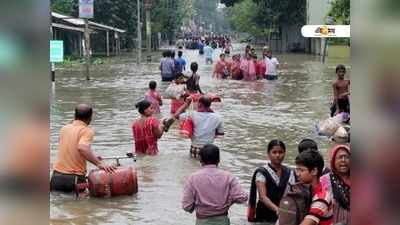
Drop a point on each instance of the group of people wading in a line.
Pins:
(211, 191)
(248, 68)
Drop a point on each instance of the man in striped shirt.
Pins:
(309, 167)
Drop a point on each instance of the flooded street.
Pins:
(253, 113)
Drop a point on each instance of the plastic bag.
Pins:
(341, 135)
(175, 91)
(186, 129)
(328, 127)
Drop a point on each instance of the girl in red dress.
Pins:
(146, 130)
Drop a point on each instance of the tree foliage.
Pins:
(266, 16)
(340, 11)
(167, 16)
(243, 18)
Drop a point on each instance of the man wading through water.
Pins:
(206, 123)
(73, 152)
(211, 191)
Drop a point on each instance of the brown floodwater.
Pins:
(253, 113)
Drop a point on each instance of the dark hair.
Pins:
(194, 67)
(340, 67)
(209, 154)
(248, 46)
(307, 144)
(83, 112)
(152, 85)
(165, 54)
(205, 101)
(311, 160)
(222, 54)
(172, 54)
(142, 106)
(276, 142)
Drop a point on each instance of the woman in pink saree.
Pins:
(248, 68)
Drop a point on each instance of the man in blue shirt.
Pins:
(181, 63)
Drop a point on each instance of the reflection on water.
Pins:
(254, 113)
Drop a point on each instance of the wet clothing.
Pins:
(276, 187)
(271, 77)
(176, 104)
(261, 68)
(205, 127)
(144, 137)
(248, 68)
(236, 73)
(272, 64)
(167, 66)
(180, 65)
(210, 192)
(208, 52)
(194, 151)
(321, 209)
(347, 106)
(215, 220)
(192, 84)
(221, 69)
(339, 190)
(69, 159)
(200, 46)
(65, 182)
(155, 98)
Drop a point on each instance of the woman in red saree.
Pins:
(235, 68)
(261, 68)
(221, 69)
(146, 130)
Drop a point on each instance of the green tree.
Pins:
(62, 6)
(265, 17)
(167, 16)
(340, 12)
(242, 17)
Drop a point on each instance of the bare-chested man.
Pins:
(341, 89)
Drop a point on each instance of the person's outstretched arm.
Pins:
(183, 107)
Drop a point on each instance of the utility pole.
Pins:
(87, 49)
(329, 21)
(139, 33)
(147, 7)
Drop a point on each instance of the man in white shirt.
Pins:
(272, 65)
(206, 123)
(208, 52)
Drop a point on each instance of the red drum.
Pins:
(122, 182)
(214, 97)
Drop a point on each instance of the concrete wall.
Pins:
(316, 13)
(317, 10)
(291, 37)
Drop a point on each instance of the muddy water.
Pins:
(253, 112)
